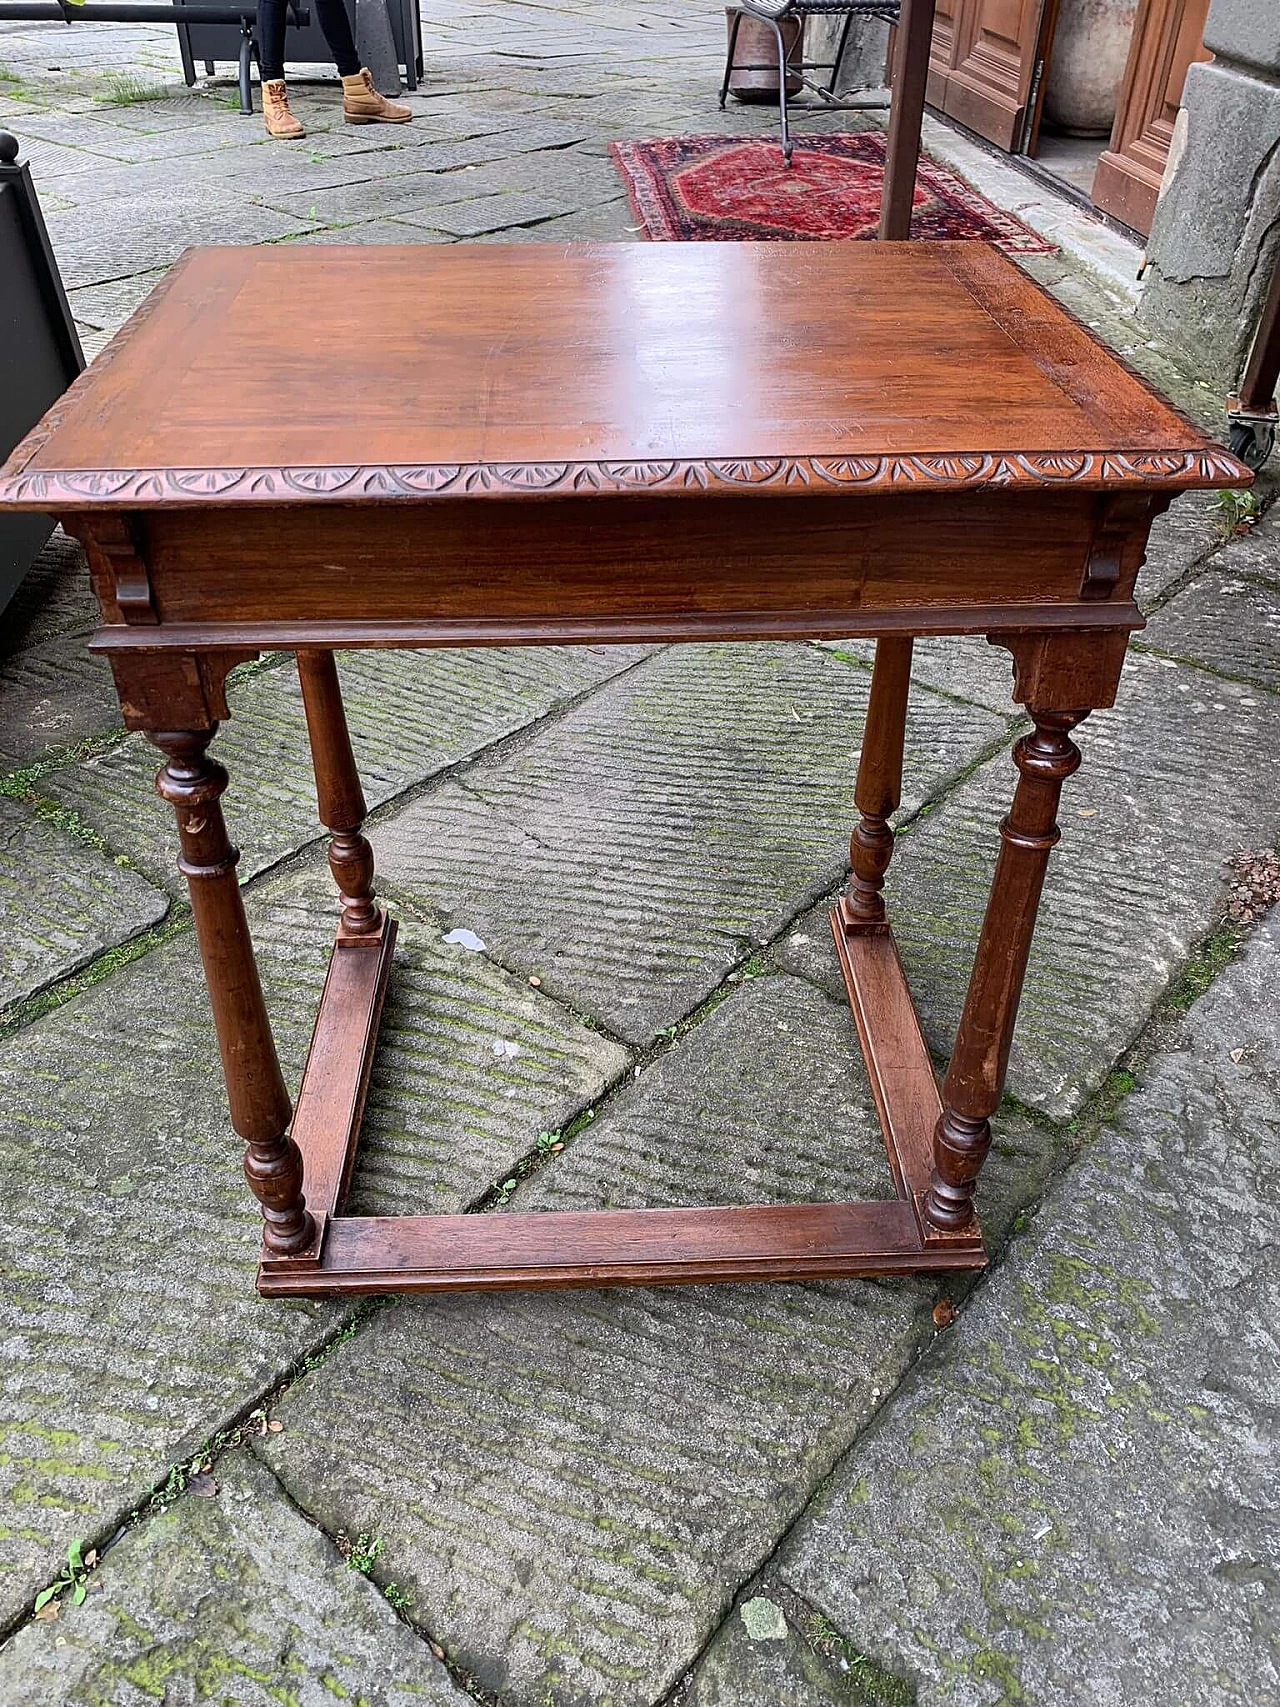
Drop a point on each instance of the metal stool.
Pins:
(775, 13)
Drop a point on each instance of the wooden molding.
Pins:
(152, 488)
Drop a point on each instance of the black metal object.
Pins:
(775, 13)
(242, 18)
(304, 44)
(40, 353)
(1252, 413)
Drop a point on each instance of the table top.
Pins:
(306, 374)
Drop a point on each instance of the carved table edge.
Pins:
(1208, 466)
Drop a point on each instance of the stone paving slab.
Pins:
(1257, 552)
(233, 1598)
(609, 222)
(1227, 623)
(86, 239)
(54, 599)
(633, 853)
(129, 1325)
(256, 170)
(106, 307)
(51, 697)
(61, 903)
(774, 1649)
(767, 1100)
(410, 714)
(573, 1485)
(1148, 820)
(1074, 1499)
(370, 231)
(960, 664)
(726, 1117)
(488, 213)
(1187, 533)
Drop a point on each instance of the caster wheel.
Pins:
(1252, 441)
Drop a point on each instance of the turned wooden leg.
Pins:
(341, 800)
(879, 787)
(975, 1079)
(192, 783)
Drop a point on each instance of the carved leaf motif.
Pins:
(1210, 466)
(640, 473)
(974, 468)
(1157, 465)
(532, 477)
(951, 469)
(1004, 471)
(849, 470)
(320, 480)
(748, 473)
(1056, 465)
(430, 477)
(207, 482)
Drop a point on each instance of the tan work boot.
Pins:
(362, 104)
(279, 121)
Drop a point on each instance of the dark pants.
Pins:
(332, 15)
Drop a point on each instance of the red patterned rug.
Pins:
(690, 189)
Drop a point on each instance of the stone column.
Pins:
(1216, 237)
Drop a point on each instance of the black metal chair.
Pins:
(775, 13)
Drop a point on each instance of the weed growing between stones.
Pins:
(360, 1554)
(126, 90)
(1237, 512)
(864, 1682)
(73, 1578)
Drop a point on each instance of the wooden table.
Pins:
(314, 448)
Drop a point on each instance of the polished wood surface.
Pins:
(620, 1247)
(444, 446)
(512, 371)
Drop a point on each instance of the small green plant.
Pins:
(362, 1553)
(398, 1598)
(1237, 512)
(126, 90)
(74, 1575)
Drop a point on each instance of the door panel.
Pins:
(1166, 43)
(983, 64)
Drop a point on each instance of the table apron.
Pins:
(722, 563)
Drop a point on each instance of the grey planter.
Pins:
(40, 353)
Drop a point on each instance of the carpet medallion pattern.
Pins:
(690, 189)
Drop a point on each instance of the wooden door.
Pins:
(1167, 41)
(985, 64)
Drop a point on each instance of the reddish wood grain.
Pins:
(524, 369)
(623, 1247)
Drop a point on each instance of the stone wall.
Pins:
(1216, 238)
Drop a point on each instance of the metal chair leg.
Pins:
(728, 64)
(246, 56)
(835, 68)
(782, 90)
